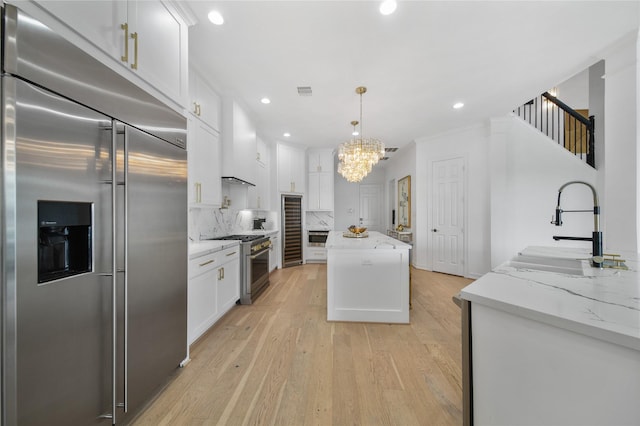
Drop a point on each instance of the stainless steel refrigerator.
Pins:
(94, 248)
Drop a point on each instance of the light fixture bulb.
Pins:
(355, 133)
(458, 105)
(215, 17)
(286, 134)
(265, 101)
(388, 7)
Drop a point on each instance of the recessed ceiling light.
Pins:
(286, 134)
(265, 100)
(388, 7)
(458, 105)
(215, 17)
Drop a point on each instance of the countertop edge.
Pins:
(610, 336)
(199, 249)
(375, 241)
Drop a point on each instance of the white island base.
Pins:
(367, 279)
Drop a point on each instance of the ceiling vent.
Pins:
(304, 91)
(390, 149)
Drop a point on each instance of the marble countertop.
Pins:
(202, 248)
(604, 305)
(259, 232)
(375, 240)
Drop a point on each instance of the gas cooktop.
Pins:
(243, 238)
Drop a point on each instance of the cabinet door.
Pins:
(274, 256)
(228, 284)
(98, 21)
(206, 104)
(325, 192)
(202, 306)
(298, 170)
(160, 56)
(259, 195)
(153, 45)
(320, 160)
(313, 197)
(325, 161)
(291, 169)
(262, 155)
(284, 168)
(204, 164)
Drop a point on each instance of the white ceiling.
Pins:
(416, 63)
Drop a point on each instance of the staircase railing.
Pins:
(561, 123)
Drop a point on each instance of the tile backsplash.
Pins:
(319, 220)
(213, 222)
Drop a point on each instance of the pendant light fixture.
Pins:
(358, 155)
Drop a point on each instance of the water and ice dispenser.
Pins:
(64, 239)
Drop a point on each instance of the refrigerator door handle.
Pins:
(114, 266)
(126, 272)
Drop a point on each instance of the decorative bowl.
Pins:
(357, 229)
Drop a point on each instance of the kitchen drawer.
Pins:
(316, 254)
(203, 264)
(228, 254)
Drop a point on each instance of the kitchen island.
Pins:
(367, 278)
(554, 344)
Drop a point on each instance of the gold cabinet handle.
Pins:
(134, 65)
(196, 109)
(207, 262)
(232, 253)
(223, 273)
(125, 28)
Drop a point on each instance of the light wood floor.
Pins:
(279, 362)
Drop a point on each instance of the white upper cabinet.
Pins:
(203, 156)
(320, 160)
(262, 152)
(259, 194)
(205, 103)
(159, 42)
(320, 179)
(97, 21)
(148, 38)
(239, 143)
(291, 169)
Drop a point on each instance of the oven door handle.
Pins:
(258, 254)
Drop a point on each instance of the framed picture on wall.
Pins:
(404, 202)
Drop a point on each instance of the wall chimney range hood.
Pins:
(236, 181)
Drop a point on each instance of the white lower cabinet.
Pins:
(316, 254)
(214, 288)
(228, 281)
(274, 256)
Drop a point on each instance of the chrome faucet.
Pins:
(596, 238)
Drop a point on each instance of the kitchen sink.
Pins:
(578, 267)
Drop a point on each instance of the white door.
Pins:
(371, 213)
(447, 243)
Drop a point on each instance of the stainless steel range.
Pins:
(254, 265)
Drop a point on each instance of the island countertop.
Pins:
(375, 240)
(605, 306)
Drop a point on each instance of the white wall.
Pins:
(527, 169)
(471, 144)
(620, 224)
(401, 164)
(347, 197)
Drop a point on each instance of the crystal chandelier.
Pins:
(359, 154)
